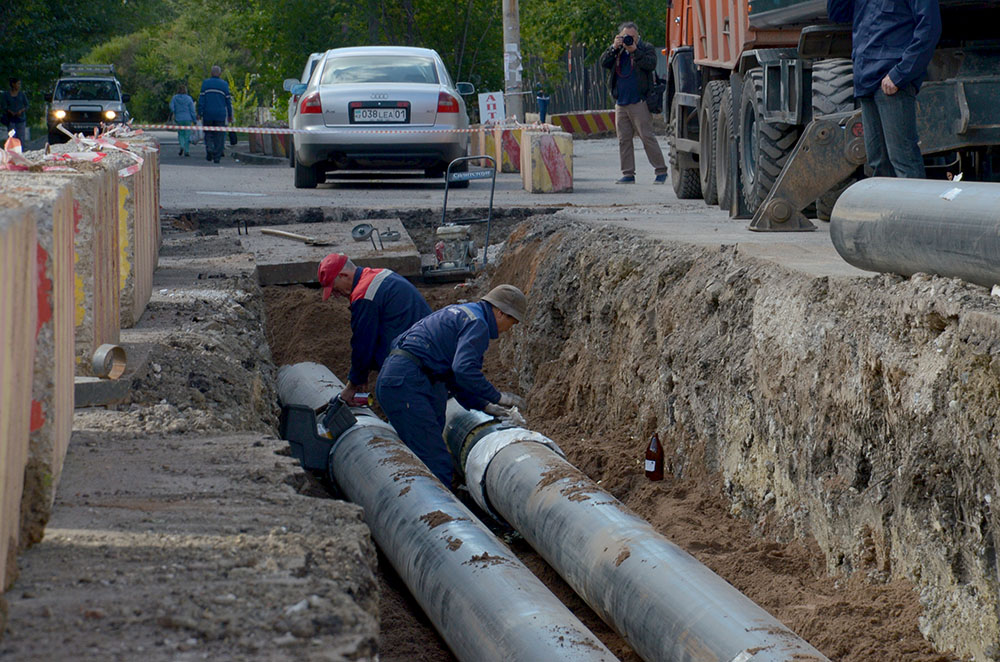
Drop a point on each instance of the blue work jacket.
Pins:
(383, 305)
(215, 103)
(450, 343)
(894, 37)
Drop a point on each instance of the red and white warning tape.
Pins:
(90, 150)
(353, 129)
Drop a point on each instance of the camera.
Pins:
(628, 40)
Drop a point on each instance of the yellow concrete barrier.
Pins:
(96, 260)
(18, 295)
(547, 161)
(137, 201)
(507, 149)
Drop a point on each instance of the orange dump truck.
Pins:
(762, 118)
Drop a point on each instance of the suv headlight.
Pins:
(110, 114)
(59, 114)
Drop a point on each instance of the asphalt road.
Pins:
(654, 210)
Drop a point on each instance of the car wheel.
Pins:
(305, 176)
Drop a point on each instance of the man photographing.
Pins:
(631, 62)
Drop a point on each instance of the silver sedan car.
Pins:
(379, 107)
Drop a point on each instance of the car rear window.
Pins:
(347, 70)
(86, 90)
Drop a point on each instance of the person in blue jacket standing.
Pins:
(215, 108)
(183, 112)
(383, 305)
(442, 354)
(894, 41)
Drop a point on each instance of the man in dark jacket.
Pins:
(631, 62)
(215, 108)
(894, 41)
(443, 353)
(383, 305)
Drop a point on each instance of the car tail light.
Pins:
(447, 103)
(311, 104)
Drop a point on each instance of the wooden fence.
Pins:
(582, 86)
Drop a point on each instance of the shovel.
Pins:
(309, 241)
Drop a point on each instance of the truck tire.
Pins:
(724, 184)
(708, 132)
(764, 146)
(305, 176)
(832, 92)
(685, 181)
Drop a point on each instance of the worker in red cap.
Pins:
(442, 354)
(383, 305)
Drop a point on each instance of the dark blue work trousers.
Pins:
(415, 406)
(890, 123)
(214, 140)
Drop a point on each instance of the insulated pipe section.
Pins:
(906, 226)
(485, 603)
(667, 605)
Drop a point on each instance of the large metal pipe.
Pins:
(667, 605)
(907, 226)
(482, 600)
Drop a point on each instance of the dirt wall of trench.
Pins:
(857, 412)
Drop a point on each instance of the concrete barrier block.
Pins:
(138, 204)
(587, 123)
(52, 390)
(547, 162)
(507, 149)
(96, 260)
(18, 319)
(483, 141)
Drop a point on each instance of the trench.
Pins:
(849, 616)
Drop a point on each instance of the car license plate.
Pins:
(380, 114)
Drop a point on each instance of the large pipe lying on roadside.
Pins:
(667, 605)
(907, 226)
(485, 603)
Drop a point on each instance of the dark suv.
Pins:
(86, 96)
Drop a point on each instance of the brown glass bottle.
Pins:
(654, 458)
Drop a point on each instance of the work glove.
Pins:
(511, 400)
(505, 414)
(496, 410)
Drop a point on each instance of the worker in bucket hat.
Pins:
(442, 354)
(383, 305)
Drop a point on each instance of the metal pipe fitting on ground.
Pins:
(908, 226)
(667, 605)
(482, 600)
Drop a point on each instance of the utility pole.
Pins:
(513, 99)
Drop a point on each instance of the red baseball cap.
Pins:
(329, 268)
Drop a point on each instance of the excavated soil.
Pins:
(852, 618)
(810, 426)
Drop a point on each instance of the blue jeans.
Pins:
(890, 123)
(214, 140)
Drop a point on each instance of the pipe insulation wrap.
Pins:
(485, 603)
(907, 226)
(667, 605)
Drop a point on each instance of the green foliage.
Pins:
(36, 36)
(244, 100)
(157, 45)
